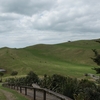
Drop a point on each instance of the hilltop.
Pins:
(71, 58)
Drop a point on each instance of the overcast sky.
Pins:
(29, 22)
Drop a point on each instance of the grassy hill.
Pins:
(69, 59)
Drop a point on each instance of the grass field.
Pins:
(68, 59)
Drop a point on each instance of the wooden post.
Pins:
(11, 86)
(25, 90)
(44, 95)
(14, 86)
(62, 98)
(17, 87)
(34, 94)
(20, 89)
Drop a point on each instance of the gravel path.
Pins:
(8, 95)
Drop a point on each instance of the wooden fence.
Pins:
(32, 92)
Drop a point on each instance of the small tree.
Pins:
(14, 73)
(31, 78)
(1, 74)
(96, 59)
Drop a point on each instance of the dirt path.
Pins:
(8, 95)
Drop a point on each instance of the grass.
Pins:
(68, 59)
(2, 96)
(16, 95)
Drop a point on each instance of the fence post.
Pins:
(11, 86)
(34, 94)
(25, 90)
(14, 86)
(20, 89)
(44, 95)
(17, 87)
(62, 98)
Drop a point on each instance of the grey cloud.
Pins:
(74, 17)
(27, 7)
(9, 16)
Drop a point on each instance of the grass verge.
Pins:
(16, 95)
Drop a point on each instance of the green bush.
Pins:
(31, 78)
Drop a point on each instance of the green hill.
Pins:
(70, 58)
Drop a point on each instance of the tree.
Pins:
(1, 74)
(87, 90)
(60, 84)
(31, 78)
(14, 73)
(96, 59)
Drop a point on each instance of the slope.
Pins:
(70, 58)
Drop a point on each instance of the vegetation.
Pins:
(76, 89)
(14, 73)
(96, 59)
(1, 74)
(24, 81)
(31, 78)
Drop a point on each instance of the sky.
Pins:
(30, 22)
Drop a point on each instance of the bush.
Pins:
(14, 73)
(31, 78)
(60, 84)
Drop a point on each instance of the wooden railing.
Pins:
(33, 90)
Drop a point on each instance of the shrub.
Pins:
(31, 78)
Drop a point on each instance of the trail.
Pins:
(8, 95)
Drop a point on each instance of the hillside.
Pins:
(70, 58)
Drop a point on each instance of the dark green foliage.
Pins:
(95, 52)
(60, 84)
(57, 83)
(11, 80)
(98, 80)
(88, 89)
(14, 73)
(92, 94)
(86, 83)
(97, 70)
(46, 82)
(31, 78)
(1, 74)
(25, 81)
(98, 41)
(21, 81)
(96, 59)
(71, 87)
(17, 81)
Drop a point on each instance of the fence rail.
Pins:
(32, 92)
